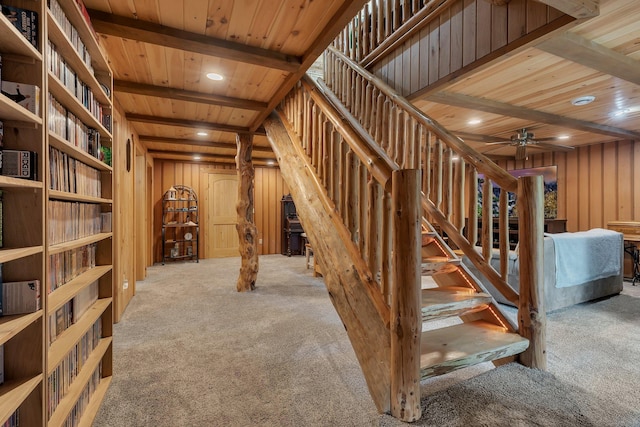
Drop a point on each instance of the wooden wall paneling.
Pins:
(572, 194)
(423, 64)
(141, 217)
(434, 51)
(560, 160)
(610, 181)
(469, 23)
(499, 27)
(517, 19)
(397, 76)
(414, 63)
(483, 34)
(406, 68)
(444, 58)
(583, 188)
(595, 191)
(536, 15)
(258, 206)
(457, 28)
(636, 178)
(625, 180)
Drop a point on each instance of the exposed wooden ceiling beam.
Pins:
(170, 121)
(205, 155)
(336, 24)
(495, 107)
(148, 32)
(210, 144)
(593, 55)
(579, 9)
(186, 95)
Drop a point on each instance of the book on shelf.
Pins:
(1, 364)
(20, 297)
(106, 222)
(66, 266)
(83, 300)
(13, 420)
(19, 164)
(25, 20)
(24, 94)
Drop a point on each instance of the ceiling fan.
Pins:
(524, 139)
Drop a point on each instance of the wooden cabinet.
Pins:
(180, 226)
(550, 226)
(292, 241)
(58, 359)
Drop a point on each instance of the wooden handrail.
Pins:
(478, 160)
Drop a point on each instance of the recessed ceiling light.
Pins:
(474, 122)
(583, 100)
(270, 162)
(563, 137)
(201, 133)
(214, 76)
(196, 157)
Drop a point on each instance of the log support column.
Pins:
(532, 317)
(406, 319)
(247, 232)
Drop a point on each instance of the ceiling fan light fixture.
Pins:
(201, 133)
(196, 157)
(474, 122)
(564, 137)
(583, 100)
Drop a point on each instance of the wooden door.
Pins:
(221, 238)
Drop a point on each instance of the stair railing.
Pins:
(379, 204)
(382, 23)
(456, 180)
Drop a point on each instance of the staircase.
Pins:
(383, 203)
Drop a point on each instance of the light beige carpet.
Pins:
(190, 351)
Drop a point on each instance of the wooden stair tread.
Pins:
(454, 347)
(436, 305)
(454, 289)
(428, 237)
(439, 264)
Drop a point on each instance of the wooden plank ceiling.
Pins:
(533, 88)
(161, 50)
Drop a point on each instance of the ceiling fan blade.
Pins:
(495, 147)
(499, 143)
(546, 146)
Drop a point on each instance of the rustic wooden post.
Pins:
(247, 232)
(406, 320)
(531, 312)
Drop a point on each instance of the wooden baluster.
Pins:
(472, 230)
(345, 88)
(380, 27)
(460, 189)
(503, 230)
(307, 123)
(448, 183)
(426, 163)
(317, 144)
(300, 115)
(406, 11)
(416, 6)
(406, 317)
(487, 219)
(532, 317)
(400, 141)
(393, 130)
(364, 24)
(363, 97)
(313, 128)
(374, 227)
(386, 125)
(397, 14)
(385, 263)
(388, 19)
(410, 141)
(380, 118)
(417, 149)
(352, 196)
(437, 178)
(363, 237)
(368, 104)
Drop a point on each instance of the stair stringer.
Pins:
(351, 289)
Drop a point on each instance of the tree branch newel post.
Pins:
(532, 317)
(406, 316)
(247, 231)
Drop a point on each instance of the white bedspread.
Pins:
(586, 255)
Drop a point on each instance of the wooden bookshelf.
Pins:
(23, 248)
(98, 79)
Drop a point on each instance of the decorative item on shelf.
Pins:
(188, 236)
(170, 194)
